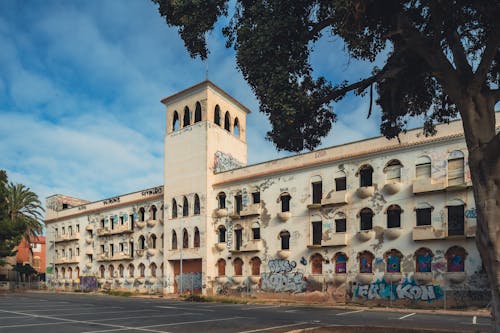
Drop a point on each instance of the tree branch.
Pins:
(458, 51)
(488, 55)
(318, 27)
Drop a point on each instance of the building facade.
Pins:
(370, 221)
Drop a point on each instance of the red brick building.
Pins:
(32, 253)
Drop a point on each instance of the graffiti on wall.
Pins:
(190, 281)
(88, 283)
(229, 234)
(398, 291)
(471, 213)
(281, 277)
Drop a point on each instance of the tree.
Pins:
(443, 60)
(21, 215)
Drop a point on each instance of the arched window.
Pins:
(174, 209)
(227, 122)
(197, 112)
(255, 264)
(70, 273)
(63, 272)
(238, 235)
(196, 205)
(142, 242)
(221, 267)
(366, 262)
(393, 261)
(455, 168)
(187, 117)
(366, 219)
(455, 258)
(152, 241)
(423, 169)
(142, 214)
(174, 240)
(217, 115)
(340, 263)
(77, 272)
(394, 216)
(317, 264)
(57, 273)
(70, 230)
(111, 271)
(285, 201)
(162, 241)
(238, 266)
(392, 171)
(102, 271)
(131, 269)
(142, 270)
(175, 121)
(222, 234)
(423, 260)
(185, 239)
(221, 199)
(365, 176)
(70, 253)
(121, 269)
(152, 212)
(256, 230)
(185, 207)
(196, 238)
(152, 269)
(236, 128)
(285, 240)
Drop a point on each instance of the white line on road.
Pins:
(273, 328)
(263, 307)
(474, 320)
(346, 313)
(408, 315)
(180, 308)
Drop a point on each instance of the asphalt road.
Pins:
(46, 312)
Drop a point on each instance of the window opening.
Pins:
(174, 240)
(185, 207)
(424, 216)
(340, 184)
(196, 205)
(365, 176)
(285, 240)
(317, 232)
(222, 234)
(227, 123)
(187, 117)
(365, 262)
(456, 225)
(317, 189)
(238, 200)
(185, 239)
(423, 260)
(340, 225)
(217, 115)
(174, 209)
(256, 230)
(221, 198)
(340, 263)
(366, 218)
(196, 237)
(255, 262)
(256, 197)
(285, 202)
(197, 112)
(394, 216)
(238, 266)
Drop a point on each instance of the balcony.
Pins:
(284, 216)
(422, 277)
(336, 198)
(120, 229)
(251, 210)
(238, 279)
(317, 278)
(423, 186)
(220, 212)
(283, 254)
(140, 224)
(336, 239)
(393, 233)
(67, 237)
(252, 245)
(364, 278)
(427, 232)
(89, 251)
(68, 260)
(88, 240)
(458, 187)
(152, 223)
(392, 278)
(314, 206)
(456, 277)
(365, 191)
(392, 188)
(220, 246)
(184, 253)
(116, 256)
(365, 235)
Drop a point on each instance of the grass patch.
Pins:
(117, 293)
(201, 298)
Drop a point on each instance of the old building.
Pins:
(373, 220)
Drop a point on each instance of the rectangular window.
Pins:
(393, 218)
(103, 223)
(455, 171)
(317, 232)
(122, 221)
(103, 249)
(121, 247)
(340, 225)
(285, 203)
(131, 217)
(77, 228)
(77, 251)
(366, 221)
(239, 238)
(238, 203)
(317, 189)
(256, 233)
(456, 220)
(89, 257)
(424, 216)
(366, 177)
(256, 197)
(340, 184)
(112, 249)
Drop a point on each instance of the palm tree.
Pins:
(24, 209)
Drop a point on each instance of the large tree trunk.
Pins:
(483, 144)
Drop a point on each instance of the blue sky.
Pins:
(80, 90)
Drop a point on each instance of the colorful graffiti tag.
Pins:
(398, 291)
(190, 281)
(281, 278)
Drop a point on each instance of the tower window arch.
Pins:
(185, 239)
(187, 117)
(196, 205)
(455, 258)
(217, 115)
(174, 208)
(227, 122)
(174, 240)
(175, 121)
(185, 207)
(197, 112)
(196, 238)
(236, 128)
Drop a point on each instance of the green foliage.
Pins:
(20, 215)
(437, 51)
(25, 269)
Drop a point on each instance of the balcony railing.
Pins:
(120, 229)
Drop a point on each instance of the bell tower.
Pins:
(205, 134)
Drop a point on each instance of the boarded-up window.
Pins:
(255, 263)
(340, 263)
(285, 240)
(366, 219)
(423, 168)
(317, 192)
(423, 260)
(317, 232)
(317, 264)
(393, 171)
(221, 267)
(393, 260)
(456, 220)
(455, 257)
(238, 266)
(365, 262)
(456, 171)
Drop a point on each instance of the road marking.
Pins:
(408, 315)
(474, 320)
(181, 308)
(346, 313)
(291, 311)
(273, 328)
(149, 316)
(102, 312)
